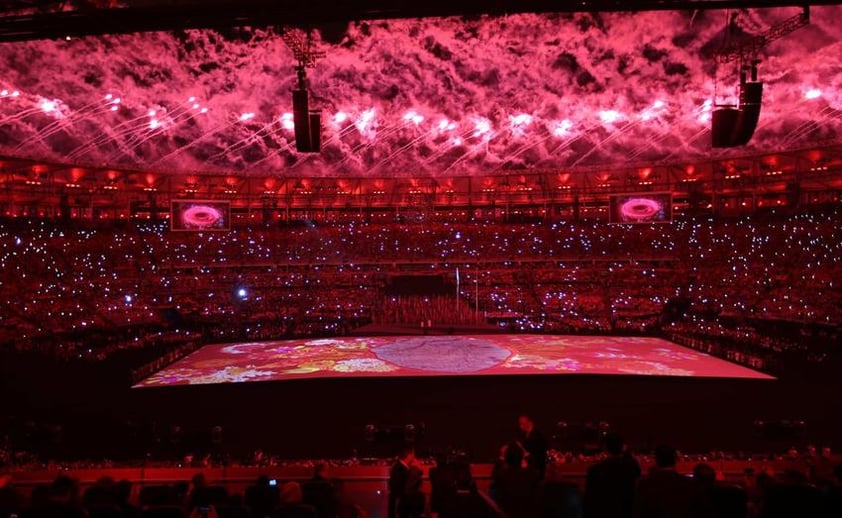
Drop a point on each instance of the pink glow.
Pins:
(367, 123)
(561, 128)
(446, 125)
(287, 121)
(482, 127)
(519, 123)
(413, 117)
(812, 93)
(154, 124)
(246, 116)
(609, 116)
(47, 106)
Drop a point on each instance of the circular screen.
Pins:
(202, 216)
(640, 209)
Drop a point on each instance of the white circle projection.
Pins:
(201, 216)
(443, 353)
(640, 209)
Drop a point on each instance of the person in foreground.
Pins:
(610, 484)
(405, 497)
(665, 493)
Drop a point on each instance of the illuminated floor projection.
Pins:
(442, 356)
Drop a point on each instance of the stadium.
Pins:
(325, 259)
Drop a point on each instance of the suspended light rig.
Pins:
(734, 125)
(308, 123)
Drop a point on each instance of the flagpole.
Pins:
(457, 293)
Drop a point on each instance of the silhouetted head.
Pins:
(614, 443)
(320, 470)
(407, 454)
(64, 490)
(704, 473)
(199, 480)
(124, 491)
(291, 493)
(525, 423)
(665, 457)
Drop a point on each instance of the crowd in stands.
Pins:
(617, 484)
(63, 283)
(315, 498)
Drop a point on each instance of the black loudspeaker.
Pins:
(731, 127)
(315, 131)
(722, 124)
(751, 95)
(301, 119)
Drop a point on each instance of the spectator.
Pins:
(726, 500)
(292, 505)
(320, 493)
(516, 486)
(399, 480)
(665, 493)
(465, 501)
(610, 484)
(262, 498)
(792, 495)
(63, 500)
(533, 444)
